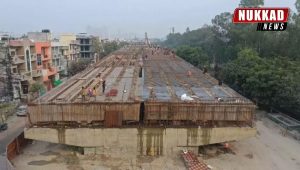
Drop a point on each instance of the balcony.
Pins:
(46, 57)
(17, 60)
(25, 76)
(36, 73)
(52, 71)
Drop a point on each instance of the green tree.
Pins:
(96, 45)
(263, 66)
(76, 67)
(297, 5)
(36, 89)
(193, 55)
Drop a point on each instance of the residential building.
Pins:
(74, 50)
(44, 63)
(73, 44)
(59, 54)
(24, 67)
(65, 39)
(85, 44)
(45, 35)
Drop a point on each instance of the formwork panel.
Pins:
(81, 112)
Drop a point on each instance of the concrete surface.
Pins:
(15, 127)
(141, 141)
(270, 149)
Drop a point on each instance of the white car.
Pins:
(22, 110)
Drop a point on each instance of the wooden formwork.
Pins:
(81, 112)
(199, 111)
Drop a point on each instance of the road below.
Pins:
(15, 127)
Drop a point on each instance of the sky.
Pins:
(114, 18)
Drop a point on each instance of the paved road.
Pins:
(15, 127)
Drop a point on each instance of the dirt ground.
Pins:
(269, 150)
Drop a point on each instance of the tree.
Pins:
(80, 65)
(264, 66)
(96, 45)
(36, 89)
(109, 47)
(193, 55)
(297, 5)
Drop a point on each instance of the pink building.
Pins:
(44, 63)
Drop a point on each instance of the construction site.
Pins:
(146, 100)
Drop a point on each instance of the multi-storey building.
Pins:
(59, 56)
(85, 44)
(24, 66)
(44, 63)
(45, 35)
(42, 41)
(73, 46)
(74, 50)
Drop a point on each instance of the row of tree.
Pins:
(264, 66)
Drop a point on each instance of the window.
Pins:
(12, 53)
(39, 59)
(28, 61)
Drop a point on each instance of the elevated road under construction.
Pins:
(140, 99)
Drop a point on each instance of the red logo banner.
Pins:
(260, 15)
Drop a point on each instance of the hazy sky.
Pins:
(114, 18)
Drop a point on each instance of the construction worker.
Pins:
(94, 93)
(83, 93)
(98, 80)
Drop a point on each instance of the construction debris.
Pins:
(192, 162)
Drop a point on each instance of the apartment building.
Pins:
(24, 66)
(44, 35)
(44, 63)
(73, 46)
(42, 41)
(74, 50)
(85, 45)
(59, 54)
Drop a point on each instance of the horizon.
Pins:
(115, 19)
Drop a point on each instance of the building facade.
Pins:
(59, 57)
(70, 41)
(24, 68)
(44, 63)
(85, 45)
(45, 35)
(74, 50)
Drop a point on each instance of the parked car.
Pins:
(3, 126)
(22, 110)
